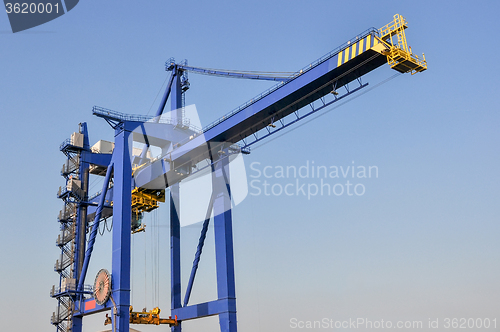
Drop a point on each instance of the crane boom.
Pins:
(337, 69)
(350, 61)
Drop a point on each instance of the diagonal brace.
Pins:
(95, 227)
(199, 249)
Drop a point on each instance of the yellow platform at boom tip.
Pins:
(399, 55)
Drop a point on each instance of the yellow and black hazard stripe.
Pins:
(349, 53)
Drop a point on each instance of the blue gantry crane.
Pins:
(135, 182)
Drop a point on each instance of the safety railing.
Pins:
(66, 235)
(97, 194)
(406, 62)
(68, 212)
(68, 143)
(63, 326)
(121, 117)
(69, 288)
(392, 28)
(71, 165)
(65, 143)
(62, 265)
(63, 311)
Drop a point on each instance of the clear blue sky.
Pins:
(422, 242)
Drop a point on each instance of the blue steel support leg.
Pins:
(176, 99)
(81, 223)
(175, 228)
(224, 242)
(122, 214)
(175, 251)
(77, 324)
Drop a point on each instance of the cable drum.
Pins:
(102, 287)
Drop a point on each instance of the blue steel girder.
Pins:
(122, 214)
(298, 117)
(98, 159)
(223, 231)
(159, 134)
(89, 307)
(175, 252)
(175, 227)
(288, 98)
(217, 307)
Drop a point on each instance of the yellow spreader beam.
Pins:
(144, 200)
(147, 317)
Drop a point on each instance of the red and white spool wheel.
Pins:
(102, 287)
